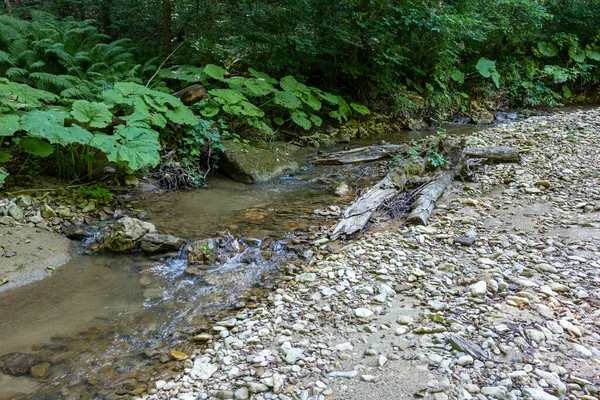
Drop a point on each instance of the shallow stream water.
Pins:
(103, 319)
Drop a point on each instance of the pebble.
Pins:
(363, 313)
(465, 360)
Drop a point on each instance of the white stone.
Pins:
(363, 313)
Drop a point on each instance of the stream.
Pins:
(107, 323)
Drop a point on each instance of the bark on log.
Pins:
(358, 214)
(425, 203)
(361, 154)
(191, 94)
(499, 154)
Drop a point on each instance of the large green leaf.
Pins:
(312, 101)
(49, 125)
(558, 73)
(226, 96)
(487, 69)
(209, 108)
(133, 147)
(316, 119)
(9, 124)
(95, 115)
(289, 84)
(3, 175)
(35, 146)
(577, 54)
(299, 117)
(458, 76)
(361, 109)
(215, 72)
(181, 115)
(263, 76)
(259, 87)
(4, 157)
(593, 53)
(17, 96)
(186, 73)
(548, 49)
(288, 100)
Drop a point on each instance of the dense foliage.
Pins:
(87, 66)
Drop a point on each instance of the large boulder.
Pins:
(257, 163)
(157, 243)
(482, 117)
(17, 364)
(126, 233)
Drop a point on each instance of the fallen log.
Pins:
(495, 154)
(191, 94)
(425, 203)
(361, 154)
(358, 214)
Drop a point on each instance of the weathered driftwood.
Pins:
(191, 94)
(358, 214)
(361, 154)
(499, 154)
(425, 203)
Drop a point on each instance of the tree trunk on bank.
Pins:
(8, 8)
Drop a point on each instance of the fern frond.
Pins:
(47, 80)
(14, 73)
(97, 66)
(5, 58)
(18, 47)
(37, 64)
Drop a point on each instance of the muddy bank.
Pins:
(28, 254)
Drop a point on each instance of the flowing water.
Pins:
(104, 319)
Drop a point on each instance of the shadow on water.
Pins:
(101, 320)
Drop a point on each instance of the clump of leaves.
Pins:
(122, 127)
(95, 192)
(260, 101)
(435, 159)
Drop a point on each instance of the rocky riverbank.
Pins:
(498, 298)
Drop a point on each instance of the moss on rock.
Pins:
(257, 162)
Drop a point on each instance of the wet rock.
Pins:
(202, 252)
(252, 164)
(157, 243)
(178, 355)
(47, 212)
(131, 180)
(341, 189)
(17, 364)
(16, 212)
(482, 117)
(126, 233)
(40, 370)
(76, 232)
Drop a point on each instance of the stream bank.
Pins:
(164, 308)
(498, 298)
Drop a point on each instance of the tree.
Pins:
(8, 8)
